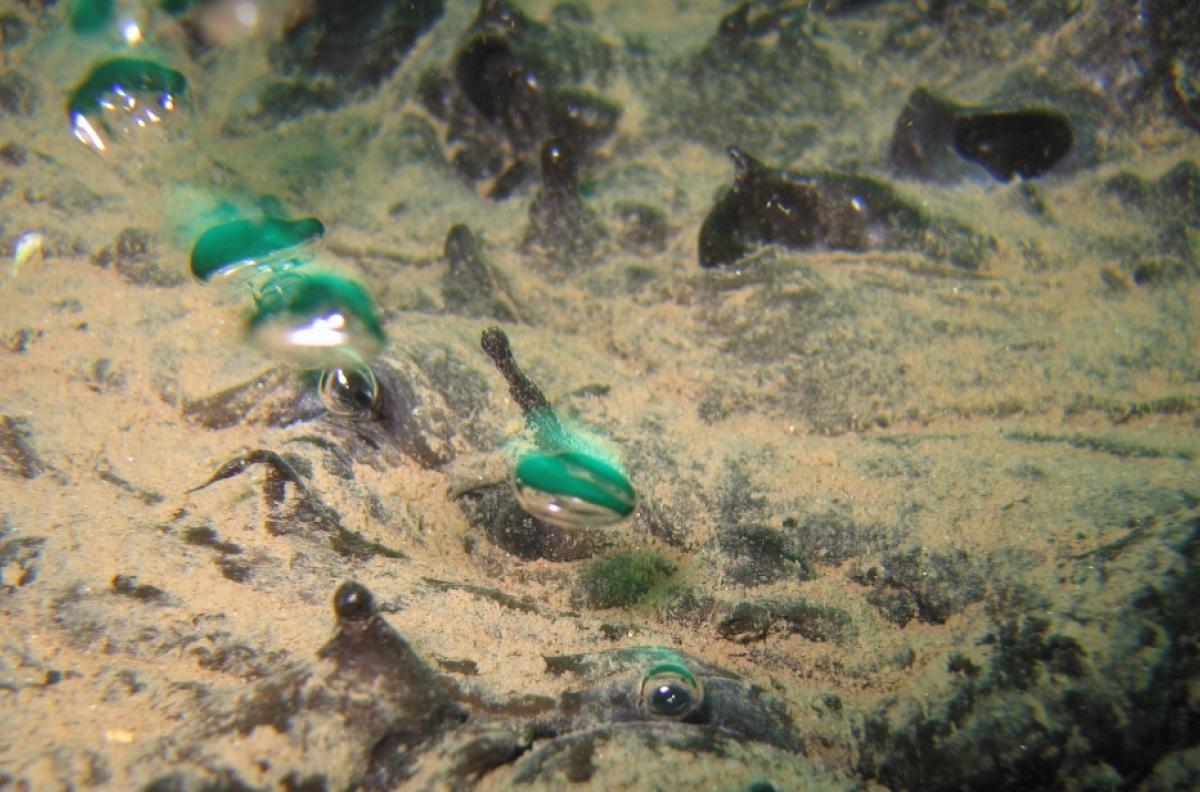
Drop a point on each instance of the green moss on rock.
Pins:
(622, 579)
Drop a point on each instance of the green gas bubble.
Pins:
(315, 319)
(349, 390)
(669, 690)
(573, 489)
(243, 251)
(126, 99)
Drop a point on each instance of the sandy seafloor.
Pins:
(979, 485)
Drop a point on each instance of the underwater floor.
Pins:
(846, 435)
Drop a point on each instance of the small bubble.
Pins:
(670, 691)
(353, 602)
(349, 390)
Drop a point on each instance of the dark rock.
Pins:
(936, 139)
(106, 474)
(14, 154)
(834, 536)
(462, 667)
(18, 557)
(930, 586)
(414, 414)
(13, 30)
(767, 78)
(1170, 206)
(283, 100)
(354, 45)
(1175, 38)
(762, 207)
(897, 606)
(641, 229)
(1025, 143)
(133, 259)
(922, 144)
(1172, 197)
(352, 602)
(17, 457)
(18, 95)
(127, 586)
(812, 621)
(561, 227)
(274, 398)
(494, 511)
(495, 82)
(753, 620)
(291, 507)
(582, 119)
(748, 621)
(469, 286)
(205, 536)
(409, 705)
(841, 7)
(837, 211)
(758, 555)
(505, 94)
(1160, 270)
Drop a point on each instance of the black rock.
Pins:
(332, 52)
(383, 689)
(762, 207)
(561, 227)
(17, 456)
(758, 555)
(494, 80)
(931, 587)
(581, 118)
(501, 98)
(135, 261)
(358, 43)
(1024, 143)
(824, 210)
(936, 139)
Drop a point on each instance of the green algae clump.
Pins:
(623, 579)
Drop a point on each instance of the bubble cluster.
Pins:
(305, 316)
(302, 314)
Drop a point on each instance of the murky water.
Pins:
(651, 396)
